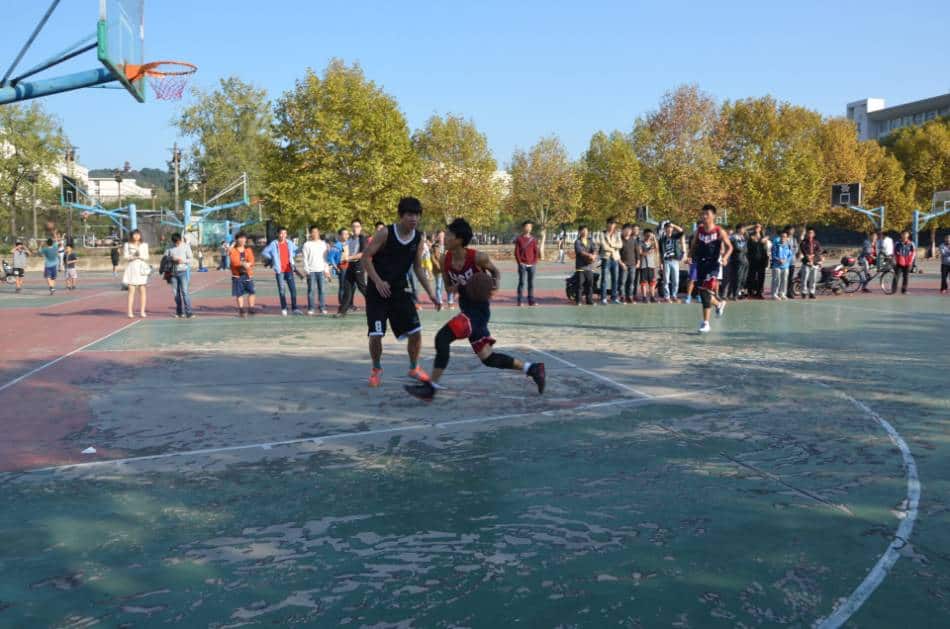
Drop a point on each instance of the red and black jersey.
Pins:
(462, 276)
(708, 244)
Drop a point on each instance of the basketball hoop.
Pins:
(167, 78)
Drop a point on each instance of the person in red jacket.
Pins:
(904, 254)
(526, 255)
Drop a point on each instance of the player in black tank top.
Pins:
(710, 251)
(387, 260)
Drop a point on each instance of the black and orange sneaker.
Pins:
(536, 373)
(424, 390)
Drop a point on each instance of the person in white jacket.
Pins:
(135, 253)
(317, 270)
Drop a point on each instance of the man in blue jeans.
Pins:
(282, 251)
(609, 243)
(315, 266)
(527, 254)
(180, 253)
(672, 249)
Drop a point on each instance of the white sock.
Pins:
(526, 367)
(436, 385)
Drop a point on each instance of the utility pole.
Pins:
(118, 180)
(70, 162)
(154, 196)
(32, 177)
(176, 163)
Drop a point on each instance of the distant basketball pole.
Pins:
(848, 195)
(939, 207)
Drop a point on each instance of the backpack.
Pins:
(166, 267)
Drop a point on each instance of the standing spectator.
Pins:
(781, 261)
(181, 255)
(438, 256)
(649, 261)
(354, 278)
(50, 255)
(672, 249)
(20, 255)
(944, 264)
(561, 250)
(526, 255)
(114, 257)
(738, 264)
(609, 243)
(810, 252)
(759, 262)
(793, 245)
(337, 259)
(137, 270)
(585, 254)
(868, 257)
(904, 255)
(315, 266)
(283, 251)
(225, 255)
(629, 261)
(241, 263)
(72, 273)
(201, 260)
(886, 254)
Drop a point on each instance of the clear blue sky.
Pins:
(520, 70)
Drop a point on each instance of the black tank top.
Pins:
(393, 261)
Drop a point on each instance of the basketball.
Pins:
(480, 287)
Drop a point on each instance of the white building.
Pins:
(106, 189)
(874, 120)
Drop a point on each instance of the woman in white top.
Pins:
(136, 273)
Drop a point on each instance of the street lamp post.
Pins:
(70, 162)
(32, 176)
(118, 180)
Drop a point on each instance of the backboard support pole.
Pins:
(36, 89)
(876, 215)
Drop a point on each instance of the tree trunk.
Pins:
(13, 216)
(544, 237)
(933, 238)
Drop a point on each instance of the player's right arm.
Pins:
(379, 239)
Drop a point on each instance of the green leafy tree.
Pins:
(32, 144)
(458, 171)
(230, 130)
(611, 184)
(545, 186)
(342, 149)
(678, 157)
(770, 166)
(924, 152)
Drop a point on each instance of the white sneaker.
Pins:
(283, 313)
(777, 297)
(688, 300)
(720, 309)
(603, 302)
(704, 327)
(311, 313)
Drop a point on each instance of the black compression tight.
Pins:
(444, 339)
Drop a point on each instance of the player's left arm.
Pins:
(727, 249)
(484, 262)
(423, 278)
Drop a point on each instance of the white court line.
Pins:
(341, 436)
(882, 568)
(587, 371)
(64, 356)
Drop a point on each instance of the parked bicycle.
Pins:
(853, 276)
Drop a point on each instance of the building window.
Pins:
(930, 115)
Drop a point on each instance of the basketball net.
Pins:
(168, 79)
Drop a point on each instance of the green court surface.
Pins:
(765, 474)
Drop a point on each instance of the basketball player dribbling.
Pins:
(459, 267)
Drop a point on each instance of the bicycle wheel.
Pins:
(851, 281)
(887, 282)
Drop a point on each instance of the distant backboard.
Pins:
(845, 194)
(121, 37)
(941, 201)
